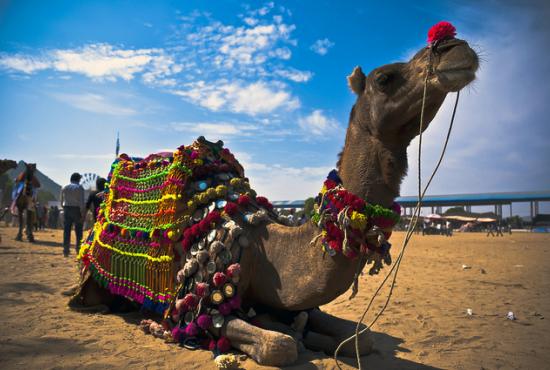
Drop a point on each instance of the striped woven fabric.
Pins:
(159, 213)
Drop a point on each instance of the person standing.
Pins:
(490, 229)
(96, 197)
(72, 201)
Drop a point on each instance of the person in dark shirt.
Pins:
(95, 198)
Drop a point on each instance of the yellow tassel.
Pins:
(358, 221)
(221, 190)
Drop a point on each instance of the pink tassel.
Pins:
(191, 330)
(225, 309)
(204, 321)
(224, 344)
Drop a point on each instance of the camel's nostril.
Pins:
(447, 45)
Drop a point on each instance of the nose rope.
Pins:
(412, 224)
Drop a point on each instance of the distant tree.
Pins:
(515, 222)
(308, 206)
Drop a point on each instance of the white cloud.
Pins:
(249, 51)
(252, 44)
(250, 21)
(22, 63)
(322, 46)
(318, 124)
(294, 74)
(98, 62)
(94, 103)
(266, 8)
(239, 97)
(214, 129)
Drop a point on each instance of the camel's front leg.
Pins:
(266, 347)
(327, 332)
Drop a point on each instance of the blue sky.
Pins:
(268, 79)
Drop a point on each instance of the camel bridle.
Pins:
(414, 218)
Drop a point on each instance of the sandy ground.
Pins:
(425, 327)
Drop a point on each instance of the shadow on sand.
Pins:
(17, 287)
(49, 243)
(383, 357)
(19, 348)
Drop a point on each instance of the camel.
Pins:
(287, 273)
(24, 200)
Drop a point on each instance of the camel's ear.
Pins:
(356, 80)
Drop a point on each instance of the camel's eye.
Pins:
(382, 79)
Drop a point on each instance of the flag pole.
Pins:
(117, 144)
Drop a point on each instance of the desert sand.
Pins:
(426, 325)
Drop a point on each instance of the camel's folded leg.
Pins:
(327, 332)
(266, 347)
(88, 296)
(295, 330)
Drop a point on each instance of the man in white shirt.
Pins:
(72, 200)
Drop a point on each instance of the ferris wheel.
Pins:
(88, 181)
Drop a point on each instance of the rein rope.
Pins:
(410, 228)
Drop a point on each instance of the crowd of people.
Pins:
(44, 217)
(437, 228)
(71, 216)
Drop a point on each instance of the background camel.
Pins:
(26, 185)
(281, 271)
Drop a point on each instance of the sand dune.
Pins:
(425, 327)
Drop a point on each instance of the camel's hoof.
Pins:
(275, 349)
(71, 291)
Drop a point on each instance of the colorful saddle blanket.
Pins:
(170, 232)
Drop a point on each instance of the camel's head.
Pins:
(31, 167)
(389, 99)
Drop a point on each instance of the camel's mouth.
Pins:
(454, 79)
(457, 67)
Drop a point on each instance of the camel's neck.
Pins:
(368, 169)
(371, 169)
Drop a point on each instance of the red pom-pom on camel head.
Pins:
(441, 31)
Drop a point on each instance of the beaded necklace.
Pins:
(351, 226)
